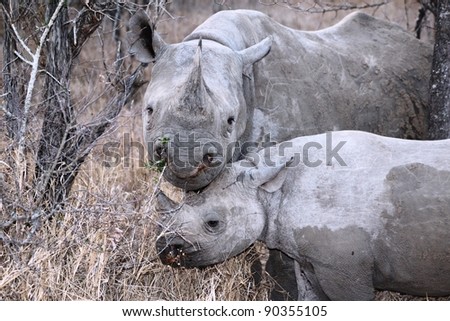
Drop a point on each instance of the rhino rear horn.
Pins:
(256, 52)
(145, 43)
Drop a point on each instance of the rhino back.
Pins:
(362, 73)
(347, 191)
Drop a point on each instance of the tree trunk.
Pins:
(54, 172)
(13, 87)
(440, 75)
(64, 145)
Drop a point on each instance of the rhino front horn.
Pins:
(193, 98)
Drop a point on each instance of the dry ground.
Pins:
(102, 246)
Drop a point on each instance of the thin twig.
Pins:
(23, 58)
(55, 80)
(158, 183)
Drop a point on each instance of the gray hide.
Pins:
(376, 217)
(362, 73)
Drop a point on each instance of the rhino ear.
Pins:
(256, 52)
(164, 203)
(145, 43)
(269, 178)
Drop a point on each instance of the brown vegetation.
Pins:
(101, 245)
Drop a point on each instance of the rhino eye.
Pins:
(231, 120)
(213, 223)
(149, 109)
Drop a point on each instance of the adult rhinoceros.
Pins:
(375, 217)
(215, 89)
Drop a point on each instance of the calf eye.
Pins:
(213, 223)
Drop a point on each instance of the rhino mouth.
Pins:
(193, 179)
(182, 257)
(188, 174)
(180, 254)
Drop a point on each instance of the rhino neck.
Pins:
(271, 234)
(248, 88)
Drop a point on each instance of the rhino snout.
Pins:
(191, 163)
(185, 155)
(171, 251)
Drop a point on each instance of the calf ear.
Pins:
(163, 203)
(256, 52)
(269, 178)
(275, 183)
(145, 43)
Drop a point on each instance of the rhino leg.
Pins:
(308, 287)
(281, 268)
(342, 261)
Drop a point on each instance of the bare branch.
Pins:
(89, 134)
(22, 43)
(63, 143)
(86, 22)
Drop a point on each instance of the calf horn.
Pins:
(164, 203)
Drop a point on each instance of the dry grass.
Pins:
(101, 247)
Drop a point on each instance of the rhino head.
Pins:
(221, 221)
(194, 107)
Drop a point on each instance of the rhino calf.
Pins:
(356, 211)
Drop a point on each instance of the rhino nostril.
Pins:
(158, 151)
(172, 253)
(212, 159)
(174, 250)
(208, 158)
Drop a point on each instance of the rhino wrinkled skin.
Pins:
(374, 216)
(242, 77)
